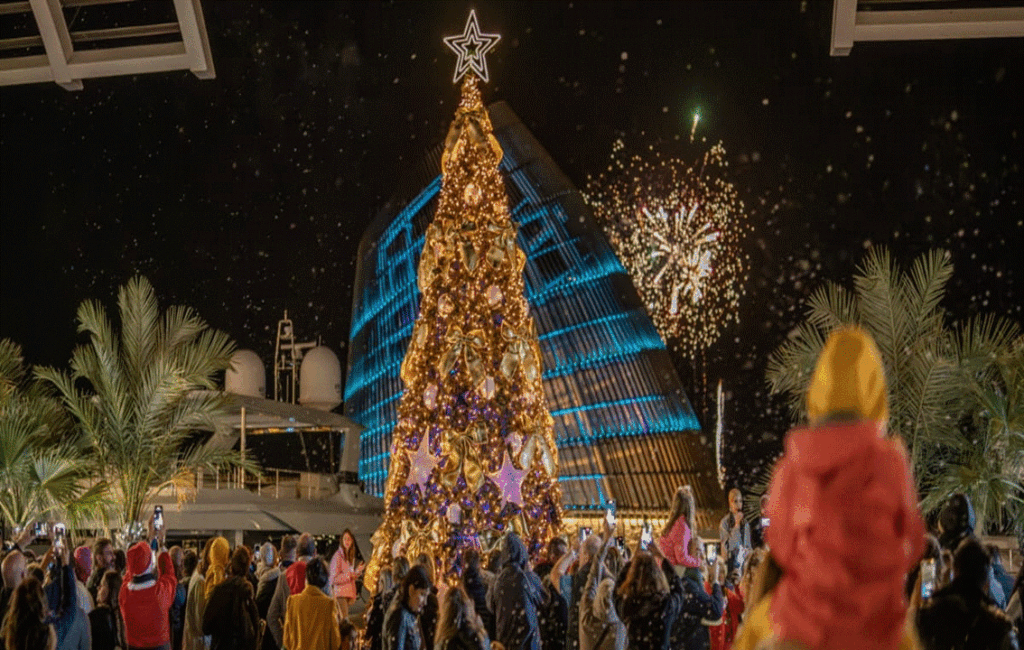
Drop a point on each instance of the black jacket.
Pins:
(375, 613)
(961, 617)
(402, 628)
(650, 619)
(514, 598)
(107, 628)
(231, 617)
(428, 618)
(688, 632)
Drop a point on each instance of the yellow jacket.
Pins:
(309, 622)
(756, 631)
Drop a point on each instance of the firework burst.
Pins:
(676, 228)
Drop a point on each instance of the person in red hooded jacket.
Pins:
(845, 526)
(146, 598)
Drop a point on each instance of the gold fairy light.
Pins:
(677, 230)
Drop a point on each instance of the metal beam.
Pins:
(135, 59)
(14, 8)
(132, 31)
(850, 26)
(993, 22)
(25, 70)
(844, 17)
(54, 29)
(193, 35)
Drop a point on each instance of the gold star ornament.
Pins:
(471, 47)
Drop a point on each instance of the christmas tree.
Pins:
(473, 452)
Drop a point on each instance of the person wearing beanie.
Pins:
(845, 526)
(146, 599)
(83, 563)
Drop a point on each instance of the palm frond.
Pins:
(140, 314)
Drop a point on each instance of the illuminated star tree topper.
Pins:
(471, 47)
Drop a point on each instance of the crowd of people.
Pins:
(150, 597)
(843, 560)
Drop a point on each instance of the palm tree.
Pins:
(44, 468)
(986, 460)
(138, 397)
(930, 367)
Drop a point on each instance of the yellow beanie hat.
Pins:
(849, 378)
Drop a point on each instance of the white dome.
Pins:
(320, 379)
(246, 375)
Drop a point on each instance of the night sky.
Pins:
(246, 195)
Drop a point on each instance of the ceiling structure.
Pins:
(918, 20)
(66, 41)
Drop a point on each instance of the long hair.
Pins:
(458, 613)
(644, 579)
(108, 596)
(110, 589)
(683, 505)
(25, 626)
(352, 555)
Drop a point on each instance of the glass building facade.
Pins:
(624, 426)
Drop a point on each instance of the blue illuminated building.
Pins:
(624, 426)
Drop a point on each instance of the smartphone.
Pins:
(646, 538)
(59, 530)
(158, 517)
(711, 551)
(609, 516)
(585, 533)
(620, 543)
(764, 522)
(927, 578)
(256, 554)
(39, 530)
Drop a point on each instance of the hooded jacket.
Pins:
(514, 598)
(145, 599)
(845, 524)
(957, 520)
(220, 555)
(961, 617)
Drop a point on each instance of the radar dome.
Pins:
(246, 375)
(320, 379)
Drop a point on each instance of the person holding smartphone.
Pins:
(600, 627)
